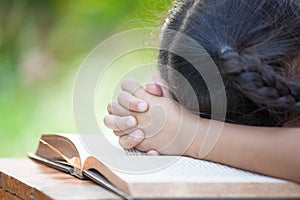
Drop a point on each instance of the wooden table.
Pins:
(22, 178)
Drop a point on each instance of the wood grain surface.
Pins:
(22, 178)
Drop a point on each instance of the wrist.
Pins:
(198, 137)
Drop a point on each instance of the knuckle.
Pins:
(120, 124)
(118, 133)
(122, 142)
(106, 120)
(115, 120)
(124, 83)
(122, 96)
(109, 107)
(119, 97)
(132, 101)
(123, 125)
(126, 142)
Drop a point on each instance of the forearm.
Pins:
(270, 151)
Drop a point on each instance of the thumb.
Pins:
(163, 85)
(154, 89)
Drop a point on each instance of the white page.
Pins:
(186, 169)
(135, 166)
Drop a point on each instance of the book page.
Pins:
(76, 140)
(134, 166)
(99, 146)
(186, 169)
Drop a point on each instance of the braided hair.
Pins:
(256, 47)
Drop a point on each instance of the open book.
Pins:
(132, 174)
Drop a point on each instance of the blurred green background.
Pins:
(42, 45)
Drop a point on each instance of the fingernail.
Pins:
(142, 106)
(131, 122)
(152, 153)
(137, 135)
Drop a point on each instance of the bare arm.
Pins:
(270, 151)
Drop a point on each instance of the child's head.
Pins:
(256, 47)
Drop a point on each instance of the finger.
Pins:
(121, 133)
(118, 123)
(166, 92)
(141, 147)
(133, 87)
(152, 153)
(131, 140)
(130, 102)
(154, 89)
(125, 132)
(116, 109)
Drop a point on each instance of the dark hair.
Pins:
(256, 47)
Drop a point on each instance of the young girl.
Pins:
(256, 47)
